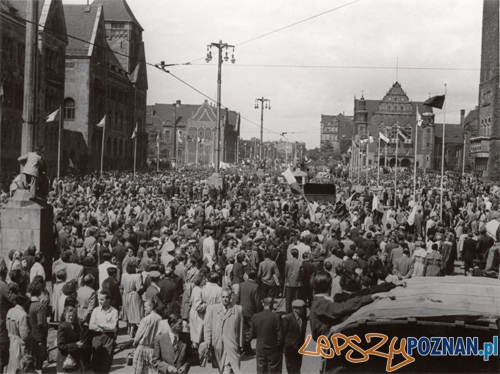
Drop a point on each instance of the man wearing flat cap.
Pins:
(294, 330)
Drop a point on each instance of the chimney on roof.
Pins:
(462, 116)
(178, 102)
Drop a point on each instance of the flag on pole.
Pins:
(349, 200)
(292, 182)
(349, 150)
(54, 116)
(71, 164)
(134, 134)
(371, 139)
(411, 217)
(103, 122)
(383, 137)
(420, 121)
(1, 92)
(200, 140)
(402, 136)
(375, 202)
(179, 136)
(435, 102)
(158, 138)
(312, 209)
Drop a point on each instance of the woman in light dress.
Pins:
(144, 339)
(197, 312)
(132, 287)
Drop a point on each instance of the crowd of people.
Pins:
(198, 273)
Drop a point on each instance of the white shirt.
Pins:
(103, 271)
(104, 318)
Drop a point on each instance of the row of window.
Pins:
(402, 108)
(391, 130)
(485, 127)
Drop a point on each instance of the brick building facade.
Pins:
(52, 43)
(195, 126)
(486, 144)
(105, 77)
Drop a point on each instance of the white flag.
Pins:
(53, 117)
(290, 178)
(371, 139)
(179, 136)
(375, 202)
(134, 134)
(419, 118)
(102, 123)
(383, 137)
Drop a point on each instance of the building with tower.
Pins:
(394, 111)
(337, 132)
(485, 147)
(193, 134)
(105, 76)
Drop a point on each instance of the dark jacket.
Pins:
(293, 334)
(112, 286)
(164, 354)
(249, 298)
(67, 336)
(326, 313)
(267, 329)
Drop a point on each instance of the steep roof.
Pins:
(80, 22)
(117, 10)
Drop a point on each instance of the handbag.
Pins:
(69, 362)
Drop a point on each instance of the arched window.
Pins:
(167, 136)
(392, 131)
(69, 109)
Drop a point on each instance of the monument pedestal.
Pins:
(25, 222)
(215, 180)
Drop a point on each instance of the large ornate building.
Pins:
(193, 134)
(485, 146)
(105, 76)
(337, 131)
(52, 43)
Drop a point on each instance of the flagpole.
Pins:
(442, 153)
(378, 163)
(415, 165)
(359, 160)
(135, 152)
(463, 156)
(102, 146)
(59, 144)
(396, 167)
(158, 157)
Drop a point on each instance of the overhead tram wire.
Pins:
(162, 66)
(285, 27)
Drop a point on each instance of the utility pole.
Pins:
(264, 103)
(29, 99)
(176, 105)
(216, 178)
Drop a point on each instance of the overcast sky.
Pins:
(317, 66)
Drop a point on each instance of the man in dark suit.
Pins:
(293, 279)
(249, 299)
(168, 287)
(267, 329)
(469, 252)
(112, 286)
(171, 352)
(294, 331)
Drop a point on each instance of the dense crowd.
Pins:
(197, 273)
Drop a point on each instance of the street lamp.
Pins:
(264, 103)
(176, 105)
(220, 46)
